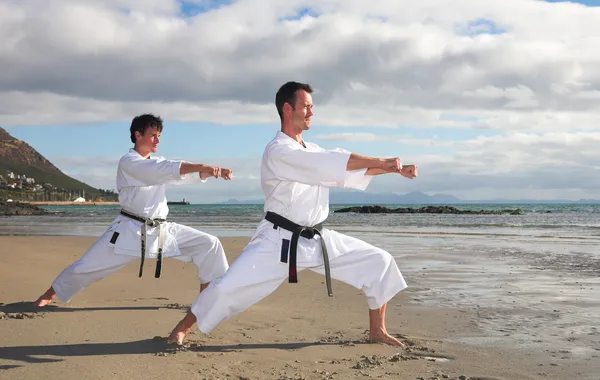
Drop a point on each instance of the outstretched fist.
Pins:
(392, 165)
(210, 171)
(409, 171)
(226, 174)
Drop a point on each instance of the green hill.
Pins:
(20, 158)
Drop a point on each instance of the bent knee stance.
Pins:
(214, 305)
(92, 267)
(385, 280)
(210, 260)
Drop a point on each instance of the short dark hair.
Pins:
(287, 94)
(142, 122)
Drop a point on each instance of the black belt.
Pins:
(152, 223)
(306, 232)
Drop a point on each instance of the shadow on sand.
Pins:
(157, 346)
(55, 353)
(29, 307)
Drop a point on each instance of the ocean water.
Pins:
(543, 229)
(532, 280)
(550, 221)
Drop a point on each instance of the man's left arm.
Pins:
(204, 172)
(378, 166)
(408, 171)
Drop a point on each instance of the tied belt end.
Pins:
(157, 222)
(308, 233)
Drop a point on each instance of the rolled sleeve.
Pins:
(357, 179)
(177, 170)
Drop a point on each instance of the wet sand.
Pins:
(115, 329)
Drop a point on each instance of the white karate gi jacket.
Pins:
(296, 182)
(141, 184)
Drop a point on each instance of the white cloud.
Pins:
(365, 137)
(74, 61)
(519, 165)
(371, 137)
(526, 69)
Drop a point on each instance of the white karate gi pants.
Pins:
(204, 250)
(259, 271)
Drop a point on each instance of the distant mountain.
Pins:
(359, 197)
(414, 197)
(20, 158)
(532, 201)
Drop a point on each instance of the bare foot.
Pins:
(386, 339)
(178, 334)
(45, 298)
(176, 338)
(183, 327)
(41, 302)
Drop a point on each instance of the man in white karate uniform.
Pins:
(141, 229)
(296, 176)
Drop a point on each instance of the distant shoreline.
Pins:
(71, 203)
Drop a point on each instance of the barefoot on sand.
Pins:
(176, 338)
(178, 334)
(45, 298)
(41, 302)
(386, 339)
(182, 329)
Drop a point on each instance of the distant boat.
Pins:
(182, 203)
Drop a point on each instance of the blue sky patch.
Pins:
(302, 12)
(192, 8)
(589, 3)
(479, 26)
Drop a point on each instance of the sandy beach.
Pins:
(115, 328)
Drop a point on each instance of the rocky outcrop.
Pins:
(425, 210)
(19, 208)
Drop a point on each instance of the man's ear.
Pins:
(287, 107)
(138, 135)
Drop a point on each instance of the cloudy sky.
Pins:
(492, 99)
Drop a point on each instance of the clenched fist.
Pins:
(210, 171)
(226, 174)
(409, 171)
(391, 165)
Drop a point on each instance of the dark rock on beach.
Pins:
(425, 210)
(19, 208)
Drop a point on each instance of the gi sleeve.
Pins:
(355, 179)
(321, 168)
(148, 172)
(187, 179)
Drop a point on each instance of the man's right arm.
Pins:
(205, 171)
(326, 167)
(378, 166)
(408, 171)
(385, 165)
